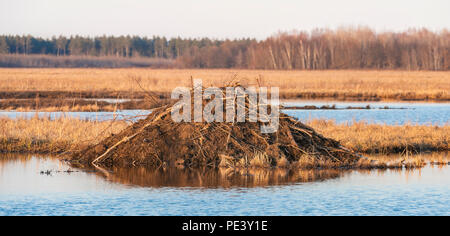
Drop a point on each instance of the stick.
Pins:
(130, 137)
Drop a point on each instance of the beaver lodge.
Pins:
(159, 141)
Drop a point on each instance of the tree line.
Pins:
(344, 48)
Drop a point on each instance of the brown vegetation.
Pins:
(53, 136)
(408, 160)
(375, 138)
(130, 83)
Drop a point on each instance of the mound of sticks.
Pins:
(160, 141)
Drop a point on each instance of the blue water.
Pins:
(131, 115)
(24, 191)
(415, 113)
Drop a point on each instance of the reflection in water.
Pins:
(160, 177)
(175, 177)
(198, 177)
(148, 191)
(228, 177)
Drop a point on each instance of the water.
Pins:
(131, 115)
(399, 114)
(111, 100)
(24, 190)
(415, 113)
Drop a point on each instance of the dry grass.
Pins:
(225, 177)
(336, 84)
(52, 136)
(409, 160)
(375, 138)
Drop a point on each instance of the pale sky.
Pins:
(213, 18)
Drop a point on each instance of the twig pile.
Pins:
(158, 140)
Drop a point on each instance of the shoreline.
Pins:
(42, 135)
(83, 105)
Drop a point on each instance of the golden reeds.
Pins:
(335, 84)
(376, 138)
(46, 136)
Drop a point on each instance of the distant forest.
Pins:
(345, 48)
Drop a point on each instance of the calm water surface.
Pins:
(131, 115)
(27, 189)
(401, 113)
